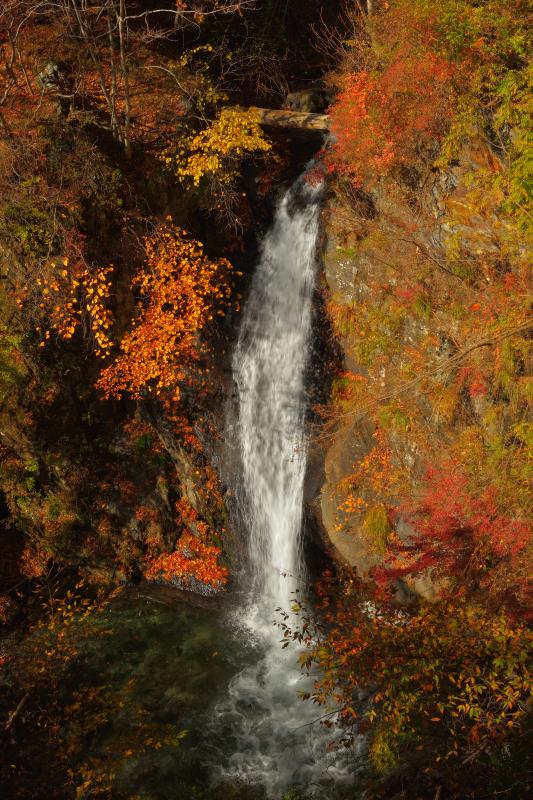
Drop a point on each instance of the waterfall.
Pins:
(269, 365)
(274, 741)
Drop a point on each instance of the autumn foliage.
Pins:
(181, 290)
(425, 644)
(194, 557)
(379, 122)
(448, 680)
(461, 536)
(73, 297)
(438, 326)
(216, 152)
(388, 109)
(191, 559)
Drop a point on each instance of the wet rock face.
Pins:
(191, 584)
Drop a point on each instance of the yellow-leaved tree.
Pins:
(216, 151)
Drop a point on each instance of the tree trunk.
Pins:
(283, 118)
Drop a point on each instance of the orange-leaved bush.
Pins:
(448, 677)
(192, 558)
(462, 534)
(381, 117)
(181, 290)
(195, 556)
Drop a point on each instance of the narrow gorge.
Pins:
(266, 389)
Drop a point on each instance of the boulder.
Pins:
(314, 100)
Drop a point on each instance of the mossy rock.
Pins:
(377, 527)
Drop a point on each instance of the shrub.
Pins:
(382, 116)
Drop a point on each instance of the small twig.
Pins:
(474, 754)
(318, 719)
(14, 714)
(153, 600)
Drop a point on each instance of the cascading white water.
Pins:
(274, 741)
(269, 366)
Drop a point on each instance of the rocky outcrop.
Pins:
(314, 100)
(372, 239)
